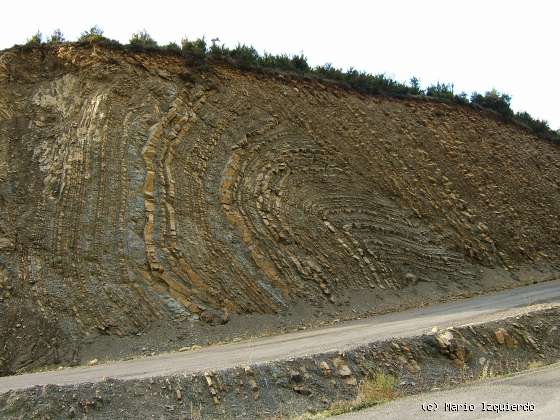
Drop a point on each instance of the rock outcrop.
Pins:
(134, 188)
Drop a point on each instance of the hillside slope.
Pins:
(135, 189)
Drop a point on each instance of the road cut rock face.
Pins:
(135, 188)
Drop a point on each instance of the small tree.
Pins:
(143, 39)
(244, 56)
(462, 98)
(172, 46)
(218, 50)
(56, 38)
(499, 102)
(327, 70)
(195, 48)
(36, 39)
(93, 34)
(441, 90)
(300, 63)
(538, 126)
(415, 86)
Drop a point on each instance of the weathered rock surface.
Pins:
(130, 195)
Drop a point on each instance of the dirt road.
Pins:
(340, 337)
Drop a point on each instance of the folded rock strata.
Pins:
(135, 188)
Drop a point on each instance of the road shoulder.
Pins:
(529, 394)
(442, 359)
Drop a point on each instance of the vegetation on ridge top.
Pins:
(248, 58)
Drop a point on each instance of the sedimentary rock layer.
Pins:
(135, 187)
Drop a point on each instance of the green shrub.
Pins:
(462, 98)
(243, 56)
(299, 63)
(415, 86)
(56, 37)
(195, 51)
(499, 102)
(441, 90)
(278, 62)
(374, 84)
(92, 35)
(143, 40)
(327, 71)
(36, 39)
(172, 46)
(216, 50)
(537, 126)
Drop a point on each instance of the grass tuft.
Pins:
(374, 389)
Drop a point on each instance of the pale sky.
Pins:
(509, 45)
